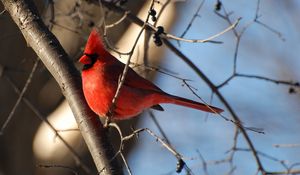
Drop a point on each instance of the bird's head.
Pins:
(94, 49)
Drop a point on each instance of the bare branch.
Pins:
(180, 164)
(27, 83)
(126, 164)
(193, 19)
(204, 163)
(291, 145)
(137, 21)
(49, 50)
(284, 82)
(209, 39)
(265, 25)
(219, 95)
(73, 171)
(75, 155)
(123, 76)
(152, 116)
(283, 172)
(2, 12)
(117, 22)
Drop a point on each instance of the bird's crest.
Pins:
(94, 44)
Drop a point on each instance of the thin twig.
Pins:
(73, 171)
(167, 35)
(162, 10)
(282, 162)
(288, 172)
(52, 14)
(291, 145)
(258, 130)
(157, 138)
(284, 82)
(126, 163)
(204, 164)
(271, 29)
(114, 125)
(123, 76)
(160, 129)
(219, 95)
(209, 39)
(117, 22)
(68, 130)
(2, 12)
(193, 19)
(239, 124)
(265, 25)
(226, 81)
(160, 70)
(43, 118)
(24, 89)
(259, 77)
(200, 74)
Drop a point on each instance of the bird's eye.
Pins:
(88, 60)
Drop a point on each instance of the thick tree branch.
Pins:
(49, 50)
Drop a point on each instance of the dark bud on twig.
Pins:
(218, 6)
(91, 24)
(152, 13)
(122, 2)
(156, 37)
(292, 90)
(160, 30)
(180, 165)
(153, 18)
(157, 40)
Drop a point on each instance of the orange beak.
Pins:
(85, 60)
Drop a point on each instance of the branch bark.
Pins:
(49, 50)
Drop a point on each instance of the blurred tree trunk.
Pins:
(49, 50)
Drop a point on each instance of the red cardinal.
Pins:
(100, 77)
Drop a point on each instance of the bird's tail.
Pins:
(192, 104)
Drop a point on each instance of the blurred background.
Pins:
(263, 51)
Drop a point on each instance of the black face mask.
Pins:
(93, 58)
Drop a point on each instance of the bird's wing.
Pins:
(133, 79)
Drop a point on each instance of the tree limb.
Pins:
(49, 50)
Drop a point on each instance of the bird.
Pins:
(100, 77)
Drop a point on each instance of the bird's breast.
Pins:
(98, 90)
